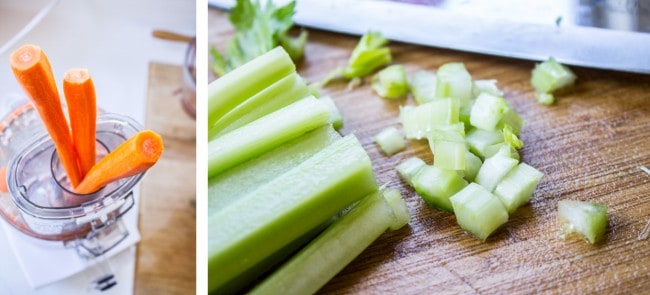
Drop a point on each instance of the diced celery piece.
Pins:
(449, 148)
(391, 82)
(423, 86)
(487, 111)
(545, 98)
(336, 247)
(503, 148)
(472, 165)
(242, 179)
(409, 168)
(265, 134)
(437, 185)
(390, 141)
(418, 122)
(512, 119)
(295, 46)
(487, 86)
(227, 92)
(585, 218)
(276, 214)
(511, 138)
(551, 75)
(335, 115)
(516, 188)
(367, 56)
(453, 80)
(494, 169)
(278, 95)
(479, 140)
(478, 211)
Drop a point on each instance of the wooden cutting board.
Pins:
(589, 145)
(166, 258)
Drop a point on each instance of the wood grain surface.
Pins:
(589, 146)
(166, 257)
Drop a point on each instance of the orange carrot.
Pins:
(132, 157)
(34, 73)
(82, 111)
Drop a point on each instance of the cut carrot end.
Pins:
(26, 57)
(77, 76)
(150, 145)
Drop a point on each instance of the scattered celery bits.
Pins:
(585, 218)
(391, 82)
(516, 188)
(423, 86)
(369, 55)
(436, 186)
(550, 75)
(409, 168)
(390, 141)
(478, 211)
(545, 98)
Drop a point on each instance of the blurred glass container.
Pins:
(189, 80)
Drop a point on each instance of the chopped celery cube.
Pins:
(265, 134)
(503, 148)
(391, 82)
(448, 149)
(516, 188)
(331, 251)
(227, 92)
(488, 111)
(437, 185)
(472, 165)
(478, 211)
(261, 223)
(585, 218)
(494, 169)
(367, 56)
(453, 80)
(551, 75)
(418, 122)
(423, 86)
(278, 95)
(335, 115)
(390, 141)
(545, 98)
(511, 138)
(409, 168)
(479, 140)
(512, 119)
(487, 86)
(242, 179)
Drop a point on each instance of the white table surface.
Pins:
(112, 39)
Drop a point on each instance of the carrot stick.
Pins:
(133, 156)
(82, 110)
(34, 73)
(3, 180)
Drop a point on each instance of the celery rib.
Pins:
(337, 246)
(227, 92)
(274, 215)
(265, 133)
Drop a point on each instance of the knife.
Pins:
(446, 26)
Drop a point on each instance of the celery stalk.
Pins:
(265, 134)
(449, 148)
(409, 168)
(390, 141)
(226, 93)
(487, 111)
(480, 140)
(551, 75)
(478, 211)
(472, 166)
(418, 122)
(335, 114)
(278, 95)
(337, 246)
(242, 179)
(391, 82)
(277, 213)
(585, 218)
(423, 86)
(516, 188)
(453, 80)
(487, 86)
(437, 185)
(494, 169)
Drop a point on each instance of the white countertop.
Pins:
(112, 39)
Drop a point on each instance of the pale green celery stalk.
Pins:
(516, 188)
(336, 247)
(487, 86)
(585, 218)
(503, 148)
(242, 179)
(409, 168)
(391, 82)
(295, 47)
(512, 119)
(511, 138)
(449, 148)
(453, 80)
(278, 95)
(335, 114)
(276, 214)
(367, 56)
(423, 86)
(494, 169)
(390, 141)
(478, 211)
(227, 92)
(265, 134)
(418, 122)
(436, 186)
(472, 166)
(480, 140)
(488, 111)
(550, 75)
